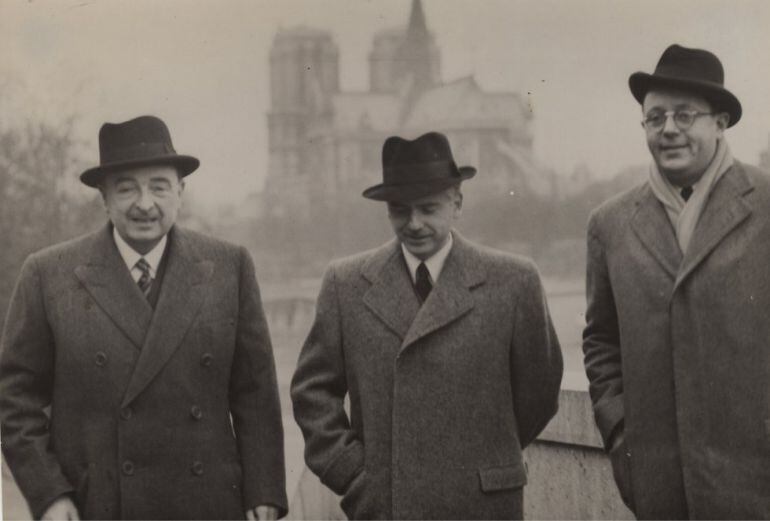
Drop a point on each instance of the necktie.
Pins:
(145, 281)
(686, 192)
(423, 285)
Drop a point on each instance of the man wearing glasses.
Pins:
(677, 341)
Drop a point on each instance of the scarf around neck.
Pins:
(684, 215)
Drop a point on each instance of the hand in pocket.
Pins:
(620, 459)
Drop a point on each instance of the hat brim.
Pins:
(404, 192)
(722, 99)
(186, 165)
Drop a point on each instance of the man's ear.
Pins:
(722, 119)
(458, 200)
(100, 187)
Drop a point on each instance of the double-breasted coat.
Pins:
(171, 413)
(677, 350)
(443, 397)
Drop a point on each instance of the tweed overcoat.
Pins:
(677, 350)
(171, 414)
(443, 396)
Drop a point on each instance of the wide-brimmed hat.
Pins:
(414, 169)
(691, 70)
(139, 142)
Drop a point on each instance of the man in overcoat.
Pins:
(137, 378)
(445, 349)
(678, 320)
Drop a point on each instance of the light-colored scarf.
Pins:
(684, 215)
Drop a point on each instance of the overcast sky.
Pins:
(203, 67)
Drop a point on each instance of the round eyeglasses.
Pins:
(683, 119)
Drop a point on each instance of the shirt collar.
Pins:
(131, 256)
(434, 264)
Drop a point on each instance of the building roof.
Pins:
(462, 104)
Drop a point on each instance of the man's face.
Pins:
(683, 155)
(143, 203)
(423, 225)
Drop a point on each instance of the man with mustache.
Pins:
(677, 344)
(445, 350)
(137, 378)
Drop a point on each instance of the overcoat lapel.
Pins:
(109, 282)
(653, 228)
(725, 209)
(181, 296)
(391, 296)
(451, 297)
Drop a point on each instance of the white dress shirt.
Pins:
(131, 256)
(435, 263)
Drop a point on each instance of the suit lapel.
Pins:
(391, 296)
(724, 210)
(653, 228)
(181, 296)
(450, 298)
(109, 282)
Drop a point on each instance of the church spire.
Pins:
(417, 29)
(417, 61)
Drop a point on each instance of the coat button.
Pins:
(196, 412)
(126, 413)
(206, 359)
(100, 358)
(128, 467)
(197, 468)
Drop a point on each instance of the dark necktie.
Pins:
(145, 281)
(423, 285)
(686, 192)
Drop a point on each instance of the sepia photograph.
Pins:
(384, 259)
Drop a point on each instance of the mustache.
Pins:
(139, 214)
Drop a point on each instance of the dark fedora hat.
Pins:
(139, 142)
(691, 70)
(414, 169)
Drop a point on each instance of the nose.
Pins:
(669, 127)
(145, 201)
(415, 223)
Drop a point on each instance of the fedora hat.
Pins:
(139, 142)
(691, 70)
(414, 169)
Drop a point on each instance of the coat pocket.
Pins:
(502, 478)
(620, 459)
(351, 500)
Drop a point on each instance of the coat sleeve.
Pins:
(536, 361)
(319, 386)
(26, 381)
(601, 341)
(254, 401)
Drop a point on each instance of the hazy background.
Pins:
(203, 67)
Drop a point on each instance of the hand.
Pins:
(62, 509)
(262, 512)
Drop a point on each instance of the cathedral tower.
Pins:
(304, 75)
(404, 60)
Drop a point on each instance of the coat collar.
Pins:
(392, 299)
(653, 227)
(181, 296)
(106, 277)
(724, 210)
(157, 334)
